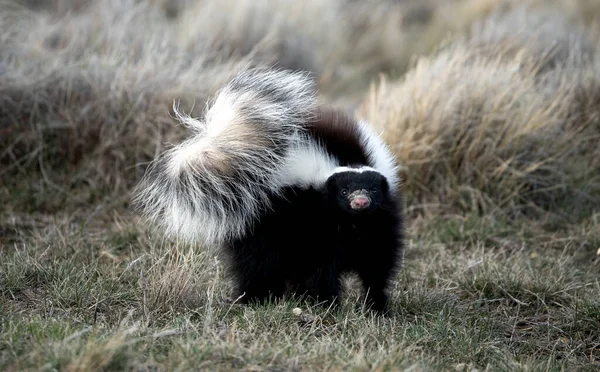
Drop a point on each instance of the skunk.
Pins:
(294, 194)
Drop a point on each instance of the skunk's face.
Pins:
(357, 190)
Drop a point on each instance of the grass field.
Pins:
(492, 108)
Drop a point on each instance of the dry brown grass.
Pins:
(85, 90)
(84, 100)
(475, 293)
(504, 118)
(457, 16)
(86, 86)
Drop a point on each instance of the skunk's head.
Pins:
(357, 190)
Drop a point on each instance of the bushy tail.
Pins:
(210, 187)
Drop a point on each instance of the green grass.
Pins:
(475, 293)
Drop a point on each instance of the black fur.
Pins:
(309, 238)
(339, 135)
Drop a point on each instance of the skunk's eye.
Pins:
(344, 192)
(374, 190)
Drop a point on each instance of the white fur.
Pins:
(191, 196)
(379, 154)
(361, 169)
(305, 165)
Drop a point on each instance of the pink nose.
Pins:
(360, 202)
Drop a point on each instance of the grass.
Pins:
(504, 118)
(497, 136)
(473, 293)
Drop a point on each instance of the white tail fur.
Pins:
(210, 187)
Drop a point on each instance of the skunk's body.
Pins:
(295, 195)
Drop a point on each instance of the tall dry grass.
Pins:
(504, 118)
(86, 86)
(85, 98)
